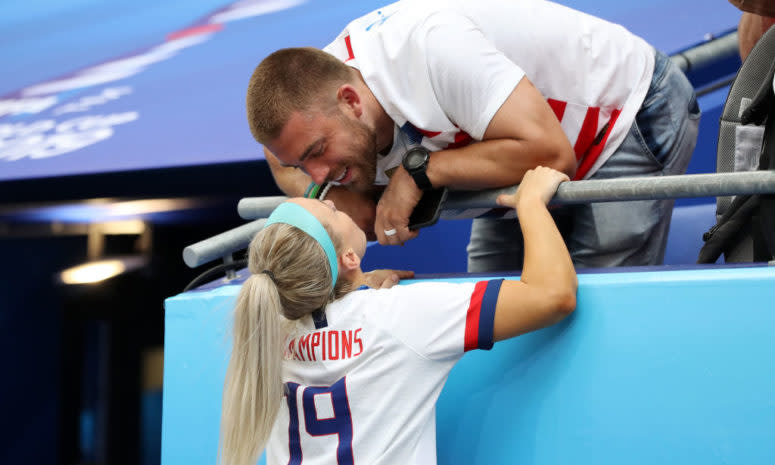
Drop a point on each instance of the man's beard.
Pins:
(363, 162)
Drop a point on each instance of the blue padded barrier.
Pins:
(671, 366)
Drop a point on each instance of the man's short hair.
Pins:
(288, 80)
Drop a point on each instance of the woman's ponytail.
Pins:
(253, 389)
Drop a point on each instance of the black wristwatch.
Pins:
(415, 162)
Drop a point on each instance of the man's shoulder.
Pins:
(393, 21)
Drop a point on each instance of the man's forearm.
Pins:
(497, 163)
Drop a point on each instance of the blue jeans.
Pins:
(660, 142)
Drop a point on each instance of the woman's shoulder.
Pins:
(365, 297)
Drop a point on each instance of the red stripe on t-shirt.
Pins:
(350, 53)
(587, 133)
(462, 139)
(595, 151)
(558, 107)
(428, 134)
(471, 340)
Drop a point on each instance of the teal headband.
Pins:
(296, 215)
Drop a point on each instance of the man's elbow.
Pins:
(563, 157)
(554, 151)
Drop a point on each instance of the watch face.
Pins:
(415, 158)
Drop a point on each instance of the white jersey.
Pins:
(362, 385)
(441, 69)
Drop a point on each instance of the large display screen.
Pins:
(100, 87)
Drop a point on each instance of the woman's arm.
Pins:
(546, 292)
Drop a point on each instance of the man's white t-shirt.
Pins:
(441, 69)
(362, 385)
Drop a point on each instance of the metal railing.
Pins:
(608, 190)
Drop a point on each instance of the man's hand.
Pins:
(385, 279)
(360, 207)
(394, 208)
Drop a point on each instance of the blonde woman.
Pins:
(326, 371)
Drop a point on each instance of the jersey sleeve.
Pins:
(439, 320)
(470, 77)
(340, 47)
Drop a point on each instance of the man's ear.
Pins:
(348, 96)
(349, 261)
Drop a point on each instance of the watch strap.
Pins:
(422, 180)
